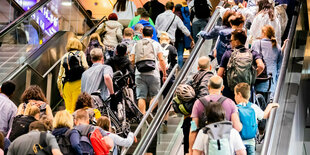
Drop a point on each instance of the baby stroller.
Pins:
(127, 111)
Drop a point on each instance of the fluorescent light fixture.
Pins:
(66, 3)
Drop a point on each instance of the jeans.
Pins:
(197, 26)
(180, 49)
(250, 149)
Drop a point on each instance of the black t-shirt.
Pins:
(154, 8)
(172, 60)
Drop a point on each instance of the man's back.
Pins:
(24, 144)
(93, 79)
(8, 111)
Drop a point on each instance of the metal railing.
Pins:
(281, 80)
(22, 17)
(48, 74)
(83, 11)
(151, 131)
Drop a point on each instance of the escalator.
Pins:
(9, 11)
(284, 130)
(36, 41)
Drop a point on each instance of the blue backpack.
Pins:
(248, 120)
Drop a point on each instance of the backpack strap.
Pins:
(221, 99)
(204, 101)
(42, 141)
(85, 131)
(204, 74)
(165, 48)
(171, 23)
(68, 132)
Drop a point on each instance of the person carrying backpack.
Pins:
(218, 136)
(67, 138)
(94, 42)
(73, 64)
(145, 55)
(215, 86)
(200, 13)
(249, 113)
(239, 64)
(94, 140)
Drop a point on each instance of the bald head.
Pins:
(96, 54)
(215, 82)
(204, 63)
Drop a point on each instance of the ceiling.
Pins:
(102, 8)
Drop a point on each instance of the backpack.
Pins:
(86, 145)
(98, 143)
(184, 108)
(73, 67)
(21, 126)
(145, 56)
(248, 120)
(240, 68)
(64, 143)
(42, 148)
(202, 9)
(205, 102)
(197, 79)
(218, 137)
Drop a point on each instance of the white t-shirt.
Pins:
(201, 142)
(259, 115)
(158, 49)
(129, 12)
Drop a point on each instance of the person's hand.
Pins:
(61, 94)
(135, 139)
(164, 78)
(192, 44)
(273, 105)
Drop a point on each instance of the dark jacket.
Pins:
(74, 138)
(121, 63)
(154, 7)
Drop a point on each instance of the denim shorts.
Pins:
(147, 85)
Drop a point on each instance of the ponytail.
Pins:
(274, 42)
(270, 33)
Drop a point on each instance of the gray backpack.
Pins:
(218, 137)
(240, 68)
(145, 56)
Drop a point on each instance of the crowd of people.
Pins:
(219, 107)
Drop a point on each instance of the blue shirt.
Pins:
(8, 111)
(273, 59)
(93, 79)
(146, 23)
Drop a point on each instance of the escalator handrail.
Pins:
(281, 80)
(23, 17)
(103, 19)
(164, 108)
(152, 105)
(83, 11)
(26, 65)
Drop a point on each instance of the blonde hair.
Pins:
(31, 110)
(164, 37)
(63, 119)
(74, 44)
(268, 30)
(95, 36)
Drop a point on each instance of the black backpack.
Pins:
(202, 9)
(20, 126)
(263, 77)
(197, 79)
(64, 143)
(73, 66)
(205, 102)
(42, 148)
(93, 44)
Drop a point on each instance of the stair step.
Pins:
(162, 146)
(9, 64)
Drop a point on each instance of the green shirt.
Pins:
(136, 19)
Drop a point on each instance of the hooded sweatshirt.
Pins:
(74, 138)
(146, 23)
(114, 33)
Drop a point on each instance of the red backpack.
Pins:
(98, 143)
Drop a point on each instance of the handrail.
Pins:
(146, 139)
(103, 19)
(271, 121)
(83, 11)
(148, 112)
(22, 17)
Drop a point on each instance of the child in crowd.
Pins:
(249, 120)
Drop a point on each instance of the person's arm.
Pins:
(268, 109)
(220, 72)
(51, 141)
(120, 141)
(184, 29)
(84, 61)
(260, 66)
(197, 152)
(209, 35)
(162, 63)
(192, 135)
(240, 152)
(75, 142)
(61, 74)
(132, 59)
(109, 83)
(56, 152)
(284, 45)
(236, 121)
